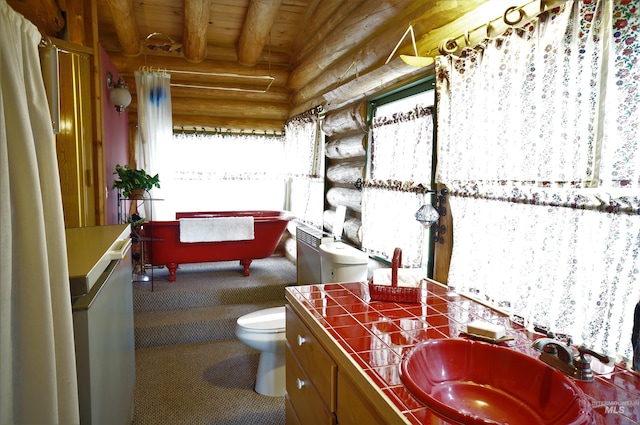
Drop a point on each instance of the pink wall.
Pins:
(115, 137)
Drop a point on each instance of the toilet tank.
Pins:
(342, 263)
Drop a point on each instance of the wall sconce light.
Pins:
(119, 95)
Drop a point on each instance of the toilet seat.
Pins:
(269, 320)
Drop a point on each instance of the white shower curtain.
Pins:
(37, 359)
(155, 125)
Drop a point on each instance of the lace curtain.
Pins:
(400, 167)
(537, 141)
(304, 154)
(221, 172)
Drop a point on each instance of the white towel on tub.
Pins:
(216, 229)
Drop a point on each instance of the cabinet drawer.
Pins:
(313, 358)
(309, 407)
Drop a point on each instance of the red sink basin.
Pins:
(473, 382)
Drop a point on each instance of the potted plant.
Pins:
(130, 179)
(134, 183)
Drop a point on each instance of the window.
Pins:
(305, 162)
(537, 142)
(219, 172)
(227, 172)
(399, 164)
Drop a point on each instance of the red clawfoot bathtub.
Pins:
(165, 247)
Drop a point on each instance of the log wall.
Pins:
(345, 154)
(345, 159)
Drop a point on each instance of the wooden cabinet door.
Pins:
(353, 406)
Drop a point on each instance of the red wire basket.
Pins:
(394, 292)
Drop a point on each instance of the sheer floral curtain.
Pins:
(537, 141)
(303, 150)
(229, 172)
(155, 123)
(400, 167)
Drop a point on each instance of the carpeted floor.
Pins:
(208, 377)
(203, 383)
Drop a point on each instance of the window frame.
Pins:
(421, 85)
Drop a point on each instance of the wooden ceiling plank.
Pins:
(374, 52)
(307, 19)
(354, 30)
(227, 108)
(275, 94)
(125, 26)
(329, 15)
(256, 29)
(196, 19)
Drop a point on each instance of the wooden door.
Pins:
(74, 143)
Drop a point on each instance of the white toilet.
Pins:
(340, 262)
(264, 330)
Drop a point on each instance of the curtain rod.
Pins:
(313, 112)
(525, 14)
(194, 131)
(268, 79)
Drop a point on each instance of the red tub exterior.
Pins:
(165, 247)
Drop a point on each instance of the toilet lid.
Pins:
(267, 320)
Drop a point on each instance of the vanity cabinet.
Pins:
(353, 406)
(311, 375)
(323, 384)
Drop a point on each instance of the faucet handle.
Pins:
(583, 363)
(602, 357)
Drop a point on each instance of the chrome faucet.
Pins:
(560, 356)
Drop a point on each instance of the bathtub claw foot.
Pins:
(245, 264)
(172, 267)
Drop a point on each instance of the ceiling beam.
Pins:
(256, 29)
(196, 20)
(45, 14)
(125, 25)
(214, 53)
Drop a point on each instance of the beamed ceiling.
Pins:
(308, 48)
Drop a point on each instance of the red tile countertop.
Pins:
(375, 334)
